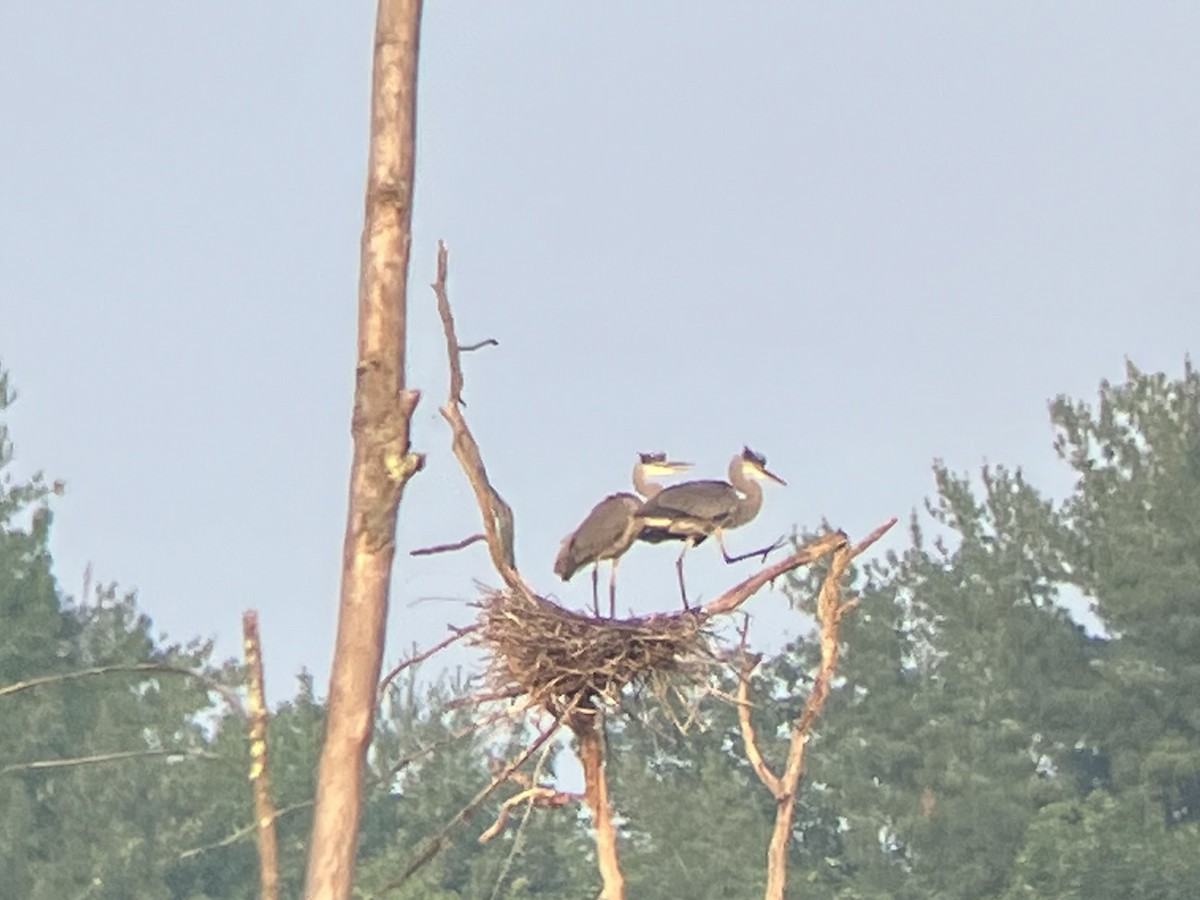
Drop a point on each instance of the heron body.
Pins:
(693, 510)
(697, 511)
(609, 530)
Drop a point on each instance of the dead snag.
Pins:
(382, 462)
(264, 809)
(784, 786)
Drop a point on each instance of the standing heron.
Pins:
(611, 528)
(693, 510)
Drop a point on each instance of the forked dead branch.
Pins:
(568, 664)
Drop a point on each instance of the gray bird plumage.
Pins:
(607, 532)
(610, 529)
(693, 510)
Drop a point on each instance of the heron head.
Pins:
(754, 465)
(657, 465)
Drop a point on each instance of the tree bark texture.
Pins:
(382, 462)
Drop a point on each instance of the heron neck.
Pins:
(752, 496)
(643, 485)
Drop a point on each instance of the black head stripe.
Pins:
(751, 457)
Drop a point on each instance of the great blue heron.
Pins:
(693, 510)
(610, 528)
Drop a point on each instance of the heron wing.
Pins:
(605, 532)
(698, 501)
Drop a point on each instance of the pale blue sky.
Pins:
(855, 236)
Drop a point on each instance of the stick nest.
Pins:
(561, 659)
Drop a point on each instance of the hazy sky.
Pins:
(855, 236)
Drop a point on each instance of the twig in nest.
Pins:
(559, 658)
(447, 548)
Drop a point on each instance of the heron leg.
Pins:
(612, 589)
(596, 588)
(679, 570)
(761, 551)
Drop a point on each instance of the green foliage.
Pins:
(977, 743)
(1103, 847)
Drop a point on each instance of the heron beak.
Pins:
(773, 477)
(662, 469)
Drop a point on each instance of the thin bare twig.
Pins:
(245, 831)
(459, 634)
(479, 699)
(434, 845)
(260, 781)
(448, 548)
(486, 342)
(40, 764)
(393, 770)
(211, 684)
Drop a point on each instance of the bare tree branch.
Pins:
(740, 593)
(383, 462)
(264, 808)
(862, 546)
(448, 548)
(497, 514)
(227, 693)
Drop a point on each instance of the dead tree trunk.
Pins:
(382, 462)
(264, 808)
(590, 751)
